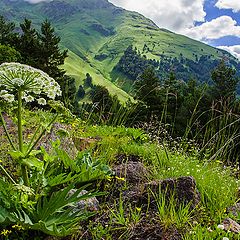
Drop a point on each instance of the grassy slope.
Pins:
(85, 43)
(77, 68)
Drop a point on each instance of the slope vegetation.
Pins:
(97, 33)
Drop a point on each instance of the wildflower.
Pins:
(209, 229)
(18, 227)
(18, 82)
(138, 209)
(109, 178)
(120, 179)
(41, 101)
(32, 82)
(8, 97)
(29, 98)
(225, 238)
(3, 92)
(5, 232)
(24, 189)
(220, 226)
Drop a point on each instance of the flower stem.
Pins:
(20, 137)
(6, 131)
(40, 136)
(7, 174)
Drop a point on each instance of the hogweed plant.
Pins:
(21, 83)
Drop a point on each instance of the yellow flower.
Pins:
(18, 227)
(5, 232)
(120, 179)
(109, 178)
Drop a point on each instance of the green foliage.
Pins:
(35, 202)
(28, 44)
(170, 214)
(51, 57)
(200, 232)
(54, 214)
(81, 92)
(86, 169)
(224, 81)
(8, 54)
(69, 98)
(147, 91)
(40, 50)
(104, 35)
(133, 64)
(88, 81)
(7, 36)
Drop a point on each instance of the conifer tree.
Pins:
(28, 44)
(68, 88)
(147, 90)
(224, 82)
(88, 81)
(51, 57)
(7, 34)
(80, 93)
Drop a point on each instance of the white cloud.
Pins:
(175, 15)
(234, 50)
(215, 29)
(229, 4)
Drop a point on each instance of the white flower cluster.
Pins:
(33, 83)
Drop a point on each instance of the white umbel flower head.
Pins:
(8, 97)
(32, 82)
(41, 101)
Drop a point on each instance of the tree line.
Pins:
(38, 49)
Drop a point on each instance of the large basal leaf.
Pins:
(5, 215)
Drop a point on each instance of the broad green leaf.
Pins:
(4, 214)
(16, 155)
(33, 162)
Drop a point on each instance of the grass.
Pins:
(215, 182)
(78, 68)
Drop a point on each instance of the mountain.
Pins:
(97, 33)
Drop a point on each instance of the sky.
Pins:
(215, 22)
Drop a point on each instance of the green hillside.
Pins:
(97, 33)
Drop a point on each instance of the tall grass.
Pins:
(222, 133)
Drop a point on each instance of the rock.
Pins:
(133, 172)
(231, 225)
(90, 204)
(124, 158)
(59, 131)
(183, 189)
(235, 210)
(85, 143)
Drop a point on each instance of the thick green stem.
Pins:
(20, 138)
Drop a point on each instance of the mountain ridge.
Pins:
(98, 33)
